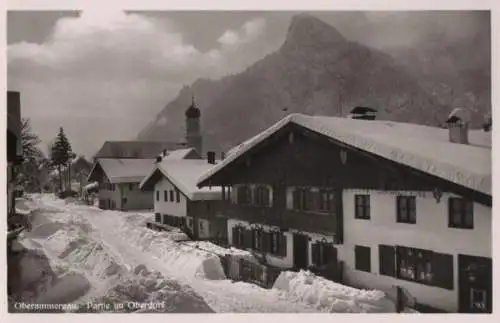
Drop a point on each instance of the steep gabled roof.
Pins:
(135, 149)
(118, 170)
(424, 148)
(183, 174)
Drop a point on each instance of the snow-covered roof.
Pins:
(126, 170)
(425, 148)
(183, 174)
(91, 186)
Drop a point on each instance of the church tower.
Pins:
(193, 131)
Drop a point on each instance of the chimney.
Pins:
(363, 113)
(211, 157)
(458, 126)
(222, 155)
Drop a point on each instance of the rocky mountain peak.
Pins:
(307, 30)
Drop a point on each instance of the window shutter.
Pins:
(387, 260)
(442, 269)
(266, 242)
(315, 253)
(295, 198)
(330, 253)
(235, 236)
(314, 198)
(247, 238)
(282, 245)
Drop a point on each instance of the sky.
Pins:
(104, 75)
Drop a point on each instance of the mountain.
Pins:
(455, 72)
(316, 71)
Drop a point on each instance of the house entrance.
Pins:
(300, 251)
(474, 284)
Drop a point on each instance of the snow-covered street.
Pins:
(123, 261)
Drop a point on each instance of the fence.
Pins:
(241, 269)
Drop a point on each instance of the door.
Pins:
(300, 251)
(474, 284)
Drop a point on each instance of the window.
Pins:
(238, 236)
(165, 196)
(157, 195)
(177, 196)
(262, 196)
(256, 239)
(323, 253)
(415, 264)
(277, 244)
(362, 258)
(243, 195)
(201, 225)
(362, 207)
(157, 217)
(387, 260)
(478, 299)
(131, 186)
(406, 209)
(460, 213)
(326, 200)
(171, 195)
(190, 222)
(301, 199)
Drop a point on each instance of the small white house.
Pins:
(179, 203)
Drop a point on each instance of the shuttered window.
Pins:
(362, 207)
(262, 196)
(277, 243)
(177, 196)
(406, 209)
(387, 260)
(362, 258)
(460, 213)
(243, 195)
(302, 199)
(157, 217)
(256, 240)
(323, 253)
(157, 195)
(247, 238)
(415, 264)
(326, 202)
(171, 195)
(165, 196)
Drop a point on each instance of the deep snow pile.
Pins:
(110, 247)
(331, 297)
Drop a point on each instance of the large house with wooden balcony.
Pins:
(178, 202)
(397, 204)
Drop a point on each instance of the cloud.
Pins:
(105, 74)
(249, 31)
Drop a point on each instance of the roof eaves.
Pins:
(257, 139)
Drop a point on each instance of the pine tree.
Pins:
(61, 154)
(29, 175)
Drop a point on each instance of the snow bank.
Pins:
(329, 296)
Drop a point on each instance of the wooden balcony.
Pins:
(308, 221)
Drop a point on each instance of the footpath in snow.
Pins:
(123, 259)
